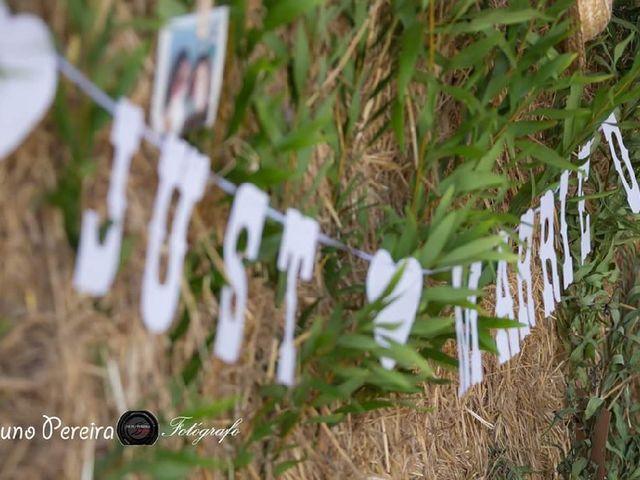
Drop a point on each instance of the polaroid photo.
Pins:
(189, 71)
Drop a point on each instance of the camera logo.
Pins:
(137, 427)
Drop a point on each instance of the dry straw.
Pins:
(594, 16)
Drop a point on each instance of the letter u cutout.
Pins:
(97, 261)
(184, 169)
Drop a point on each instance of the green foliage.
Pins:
(601, 329)
(79, 126)
(599, 321)
(521, 112)
(501, 468)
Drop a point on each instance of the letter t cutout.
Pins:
(297, 258)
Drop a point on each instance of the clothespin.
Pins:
(203, 11)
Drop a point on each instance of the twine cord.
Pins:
(107, 103)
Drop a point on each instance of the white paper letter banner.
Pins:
(26, 48)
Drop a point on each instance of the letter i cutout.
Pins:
(585, 218)
(507, 339)
(567, 266)
(469, 357)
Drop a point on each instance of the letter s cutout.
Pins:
(247, 213)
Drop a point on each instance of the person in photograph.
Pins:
(175, 111)
(199, 93)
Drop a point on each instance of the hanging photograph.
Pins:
(189, 70)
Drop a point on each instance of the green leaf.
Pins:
(397, 121)
(430, 327)
(490, 17)
(242, 101)
(487, 342)
(411, 45)
(167, 9)
(544, 154)
(213, 409)
(578, 466)
(444, 204)
(592, 406)
(301, 57)
(390, 379)
(357, 341)
(445, 294)
(470, 250)
(620, 48)
(437, 240)
(475, 53)
(308, 134)
(407, 357)
(573, 103)
(479, 181)
(467, 98)
(282, 467)
(495, 322)
(330, 419)
(284, 11)
(525, 128)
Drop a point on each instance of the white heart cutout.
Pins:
(28, 76)
(406, 295)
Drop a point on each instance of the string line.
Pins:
(109, 104)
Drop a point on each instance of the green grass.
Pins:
(501, 468)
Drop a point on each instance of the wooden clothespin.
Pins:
(203, 11)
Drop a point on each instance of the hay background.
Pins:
(86, 360)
